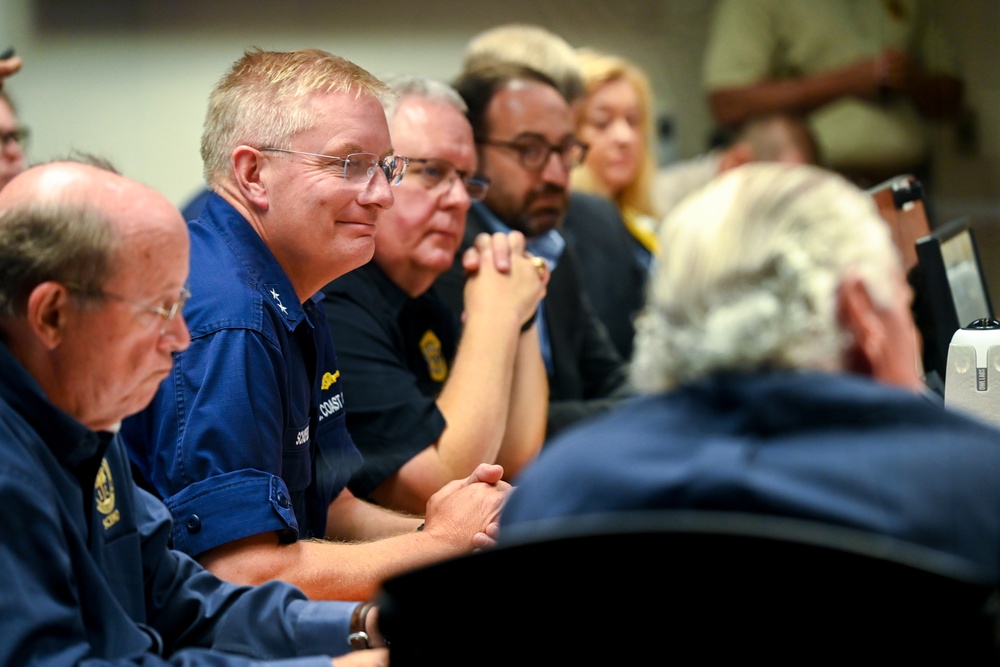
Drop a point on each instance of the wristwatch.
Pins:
(358, 638)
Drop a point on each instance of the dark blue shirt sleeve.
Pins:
(215, 443)
(102, 587)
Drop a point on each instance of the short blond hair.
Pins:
(264, 99)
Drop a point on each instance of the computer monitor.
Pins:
(950, 290)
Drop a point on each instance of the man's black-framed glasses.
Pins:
(357, 167)
(167, 311)
(434, 172)
(534, 151)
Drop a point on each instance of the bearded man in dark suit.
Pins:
(523, 128)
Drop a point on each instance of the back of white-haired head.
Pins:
(749, 275)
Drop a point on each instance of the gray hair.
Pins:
(750, 272)
(433, 90)
(264, 99)
(47, 239)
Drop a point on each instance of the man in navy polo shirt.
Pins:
(423, 407)
(246, 439)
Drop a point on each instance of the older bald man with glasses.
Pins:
(423, 406)
(91, 292)
(246, 439)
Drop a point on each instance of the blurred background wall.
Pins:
(128, 79)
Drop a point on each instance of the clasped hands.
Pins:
(500, 271)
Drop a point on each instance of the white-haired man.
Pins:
(783, 373)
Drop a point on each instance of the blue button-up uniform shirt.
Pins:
(248, 433)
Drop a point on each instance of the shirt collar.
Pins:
(549, 245)
(394, 296)
(269, 278)
(373, 285)
(70, 442)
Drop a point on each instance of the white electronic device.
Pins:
(972, 379)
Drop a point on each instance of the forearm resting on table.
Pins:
(323, 570)
(351, 519)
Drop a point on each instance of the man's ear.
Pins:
(248, 167)
(858, 314)
(48, 315)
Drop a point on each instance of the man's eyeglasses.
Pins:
(18, 136)
(534, 152)
(167, 311)
(358, 167)
(434, 172)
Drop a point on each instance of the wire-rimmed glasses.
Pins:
(167, 311)
(357, 167)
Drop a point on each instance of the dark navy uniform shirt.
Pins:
(247, 435)
(832, 447)
(395, 354)
(88, 574)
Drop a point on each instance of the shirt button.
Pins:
(283, 500)
(193, 523)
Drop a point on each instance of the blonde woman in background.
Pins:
(615, 119)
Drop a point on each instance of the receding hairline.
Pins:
(406, 87)
(56, 177)
(53, 180)
(125, 203)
